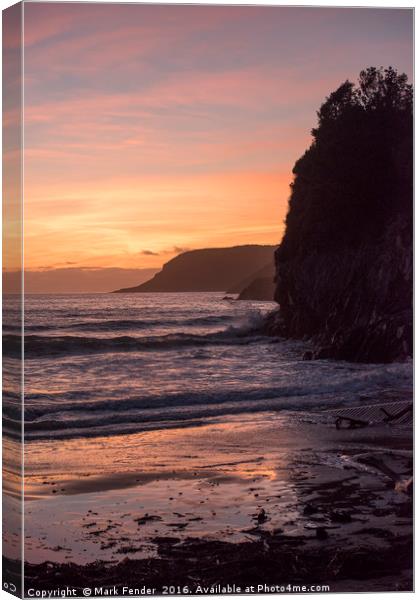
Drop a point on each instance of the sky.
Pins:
(154, 129)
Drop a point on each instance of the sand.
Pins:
(265, 498)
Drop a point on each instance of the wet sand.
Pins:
(260, 498)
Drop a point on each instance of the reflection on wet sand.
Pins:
(102, 499)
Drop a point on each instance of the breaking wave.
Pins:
(104, 365)
(242, 331)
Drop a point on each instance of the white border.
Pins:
(320, 3)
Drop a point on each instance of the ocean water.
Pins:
(105, 364)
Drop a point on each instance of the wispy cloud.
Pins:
(180, 249)
(153, 129)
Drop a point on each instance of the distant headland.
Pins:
(231, 270)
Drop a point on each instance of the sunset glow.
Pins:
(207, 330)
(151, 129)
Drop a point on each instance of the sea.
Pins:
(110, 364)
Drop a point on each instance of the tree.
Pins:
(357, 173)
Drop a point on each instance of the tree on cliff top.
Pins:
(357, 173)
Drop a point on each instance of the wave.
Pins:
(126, 324)
(43, 346)
(133, 416)
(245, 330)
(38, 406)
(79, 413)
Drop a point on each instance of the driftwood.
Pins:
(346, 422)
(402, 485)
(389, 417)
(340, 423)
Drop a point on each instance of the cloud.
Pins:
(149, 253)
(166, 214)
(176, 127)
(180, 249)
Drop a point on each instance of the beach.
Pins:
(168, 497)
(172, 449)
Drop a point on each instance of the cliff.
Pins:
(207, 270)
(261, 288)
(344, 267)
(354, 304)
(260, 285)
(266, 271)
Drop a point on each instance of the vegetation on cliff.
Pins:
(344, 267)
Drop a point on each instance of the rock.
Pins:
(262, 517)
(147, 519)
(328, 299)
(323, 353)
(344, 269)
(340, 517)
(405, 486)
(310, 509)
(321, 533)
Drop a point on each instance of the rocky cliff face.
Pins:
(356, 304)
(344, 267)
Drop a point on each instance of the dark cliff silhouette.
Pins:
(344, 267)
(207, 270)
(259, 286)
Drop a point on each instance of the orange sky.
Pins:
(149, 129)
